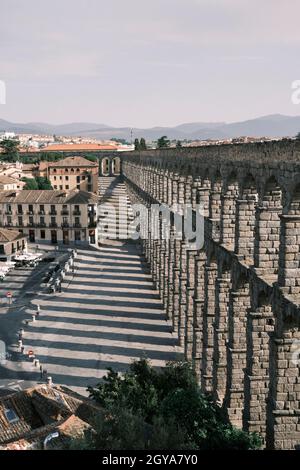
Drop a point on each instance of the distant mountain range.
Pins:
(275, 125)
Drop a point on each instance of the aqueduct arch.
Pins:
(234, 303)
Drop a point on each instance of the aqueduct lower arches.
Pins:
(234, 303)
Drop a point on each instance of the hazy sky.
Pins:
(148, 62)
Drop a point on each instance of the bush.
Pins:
(169, 405)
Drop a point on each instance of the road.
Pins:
(16, 371)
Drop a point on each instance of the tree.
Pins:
(178, 144)
(30, 183)
(172, 397)
(10, 149)
(137, 144)
(40, 182)
(163, 142)
(298, 136)
(143, 145)
(43, 182)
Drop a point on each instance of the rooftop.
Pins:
(7, 235)
(8, 180)
(28, 416)
(41, 196)
(76, 161)
(82, 146)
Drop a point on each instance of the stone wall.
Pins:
(234, 303)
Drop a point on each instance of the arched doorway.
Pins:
(116, 166)
(105, 166)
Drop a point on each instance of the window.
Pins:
(78, 186)
(89, 188)
(42, 220)
(43, 234)
(55, 186)
(67, 178)
(60, 177)
(20, 210)
(78, 179)
(10, 415)
(30, 208)
(61, 186)
(30, 220)
(42, 208)
(20, 220)
(78, 170)
(83, 178)
(54, 178)
(67, 170)
(77, 220)
(9, 219)
(67, 186)
(54, 170)
(72, 170)
(8, 208)
(52, 209)
(89, 178)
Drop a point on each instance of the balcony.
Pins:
(77, 225)
(53, 213)
(65, 225)
(64, 212)
(92, 224)
(41, 212)
(77, 213)
(41, 224)
(53, 224)
(30, 212)
(8, 212)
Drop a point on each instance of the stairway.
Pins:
(115, 212)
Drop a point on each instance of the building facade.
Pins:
(12, 242)
(71, 173)
(7, 183)
(51, 216)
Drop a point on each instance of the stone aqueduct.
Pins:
(234, 303)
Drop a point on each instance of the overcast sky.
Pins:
(148, 62)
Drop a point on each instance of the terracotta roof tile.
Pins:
(41, 196)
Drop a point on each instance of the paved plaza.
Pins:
(107, 314)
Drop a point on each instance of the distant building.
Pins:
(44, 417)
(7, 182)
(12, 242)
(71, 173)
(80, 147)
(51, 216)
